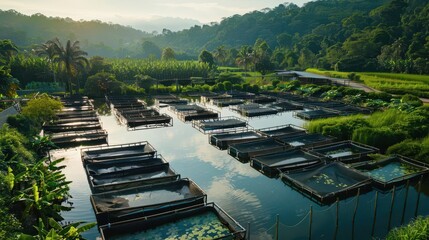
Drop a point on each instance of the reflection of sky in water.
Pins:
(246, 194)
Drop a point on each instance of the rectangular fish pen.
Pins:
(345, 151)
(132, 178)
(73, 126)
(282, 130)
(200, 114)
(220, 124)
(316, 114)
(244, 151)
(283, 106)
(223, 140)
(103, 153)
(305, 140)
(149, 122)
(122, 165)
(77, 119)
(207, 221)
(392, 171)
(143, 201)
(257, 112)
(79, 138)
(286, 160)
(185, 108)
(82, 114)
(227, 102)
(263, 99)
(327, 182)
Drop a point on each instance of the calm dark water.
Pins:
(247, 195)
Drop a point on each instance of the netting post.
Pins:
(354, 213)
(248, 231)
(311, 222)
(418, 197)
(375, 214)
(277, 226)
(405, 202)
(391, 207)
(337, 218)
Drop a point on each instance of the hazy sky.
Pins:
(128, 12)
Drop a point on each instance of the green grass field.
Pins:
(394, 83)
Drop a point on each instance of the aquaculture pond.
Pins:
(244, 193)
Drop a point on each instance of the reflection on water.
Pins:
(247, 195)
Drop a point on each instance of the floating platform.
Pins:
(305, 140)
(185, 108)
(227, 102)
(223, 140)
(392, 171)
(148, 122)
(286, 160)
(122, 165)
(81, 114)
(131, 203)
(244, 151)
(198, 222)
(263, 99)
(285, 106)
(345, 151)
(77, 109)
(282, 130)
(327, 182)
(79, 138)
(192, 115)
(71, 127)
(317, 114)
(111, 152)
(143, 176)
(76, 119)
(213, 125)
(256, 112)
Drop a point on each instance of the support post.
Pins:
(248, 231)
(277, 227)
(354, 214)
(391, 207)
(418, 198)
(405, 202)
(375, 214)
(311, 222)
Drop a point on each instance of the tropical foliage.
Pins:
(417, 229)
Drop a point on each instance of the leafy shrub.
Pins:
(381, 138)
(412, 100)
(231, 77)
(418, 229)
(407, 148)
(41, 109)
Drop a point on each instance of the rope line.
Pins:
(308, 213)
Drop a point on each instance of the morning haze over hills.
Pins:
(321, 33)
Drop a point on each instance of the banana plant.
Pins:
(54, 231)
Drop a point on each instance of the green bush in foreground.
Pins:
(418, 229)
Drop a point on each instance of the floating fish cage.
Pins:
(143, 201)
(246, 106)
(220, 124)
(73, 126)
(208, 98)
(75, 103)
(77, 119)
(203, 114)
(348, 109)
(286, 160)
(82, 114)
(285, 106)
(123, 164)
(305, 140)
(392, 171)
(316, 114)
(185, 108)
(79, 138)
(111, 152)
(133, 104)
(291, 97)
(223, 140)
(256, 112)
(264, 99)
(327, 182)
(133, 177)
(241, 95)
(149, 122)
(282, 130)
(227, 102)
(197, 222)
(315, 104)
(345, 151)
(77, 109)
(244, 151)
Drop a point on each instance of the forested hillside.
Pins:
(346, 35)
(96, 37)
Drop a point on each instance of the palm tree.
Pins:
(7, 50)
(47, 49)
(245, 57)
(220, 54)
(70, 58)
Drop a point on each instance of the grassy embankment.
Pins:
(394, 83)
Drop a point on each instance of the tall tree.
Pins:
(220, 54)
(71, 59)
(7, 50)
(206, 57)
(168, 54)
(245, 57)
(48, 51)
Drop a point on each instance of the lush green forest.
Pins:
(346, 35)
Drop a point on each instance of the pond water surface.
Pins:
(248, 196)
